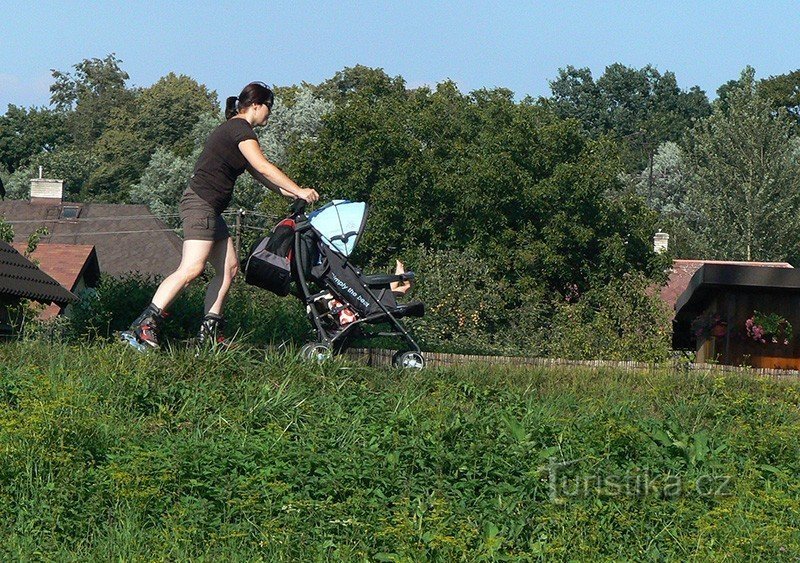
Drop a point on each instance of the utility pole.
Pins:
(239, 215)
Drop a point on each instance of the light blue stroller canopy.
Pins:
(340, 224)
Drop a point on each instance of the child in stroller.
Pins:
(337, 311)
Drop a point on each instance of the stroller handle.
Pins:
(298, 206)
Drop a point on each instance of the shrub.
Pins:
(465, 306)
(253, 314)
(624, 320)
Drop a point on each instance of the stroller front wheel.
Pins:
(316, 351)
(408, 360)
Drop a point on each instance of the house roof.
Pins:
(127, 238)
(20, 277)
(66, 263)
(683, 270)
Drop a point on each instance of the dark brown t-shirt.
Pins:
(221, 162)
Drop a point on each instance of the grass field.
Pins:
(109, 455)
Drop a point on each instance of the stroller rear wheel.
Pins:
(316, 351)
(408, 360)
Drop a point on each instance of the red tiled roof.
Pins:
(683, 270)
(127, 238)
(66, 263)
(21, 278)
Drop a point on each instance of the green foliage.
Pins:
(783, 91)
(111, 455)
(640, 106)
(167, 112)
(465, 302)
(89, 96)
(360, 80)
(6, 231)
(25, 134)
(162, 183)
(746, 179)
(623, 320)
(525, 189)
(254, 315)
(116, 129)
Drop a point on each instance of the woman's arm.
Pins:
(272, 176)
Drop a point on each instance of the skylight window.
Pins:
(70, 212)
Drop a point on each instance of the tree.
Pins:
(525, 189)
(26, 133)
(642, 107)
(89, 95)
(360, 80)
(747, 178)
(664, 186)
(167, 112)
(783, 91)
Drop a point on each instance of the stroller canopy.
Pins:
(340, 224)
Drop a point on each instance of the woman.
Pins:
(230, 149)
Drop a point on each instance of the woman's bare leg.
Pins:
(226, 266)
(193, 261)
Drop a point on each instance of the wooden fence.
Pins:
(382, 357)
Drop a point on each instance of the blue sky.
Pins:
(514, 44)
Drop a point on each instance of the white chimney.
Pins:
(45, 190)
(660, 242)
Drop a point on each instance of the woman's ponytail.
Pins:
(230, 107)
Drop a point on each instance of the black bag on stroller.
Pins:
(269, 264)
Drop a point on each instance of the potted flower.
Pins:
(709, 324)
(772, 327)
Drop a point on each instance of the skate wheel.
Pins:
(317, 352)
(130, 339)
(408, 360)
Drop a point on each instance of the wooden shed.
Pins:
(712, 313)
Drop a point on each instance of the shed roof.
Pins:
(713, 276)
(21, 278)
(127, 238)
(683, 270)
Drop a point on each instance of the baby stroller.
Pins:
(314, 252)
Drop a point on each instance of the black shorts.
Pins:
(200, 221)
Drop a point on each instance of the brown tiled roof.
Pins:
(127, 238)
(21, 278)
(683, 270)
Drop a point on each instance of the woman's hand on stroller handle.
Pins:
(309, 195)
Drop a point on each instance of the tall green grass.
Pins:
(107, 454)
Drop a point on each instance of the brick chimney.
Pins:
(45, 190)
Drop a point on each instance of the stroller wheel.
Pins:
(316, 351)
(408, 360)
